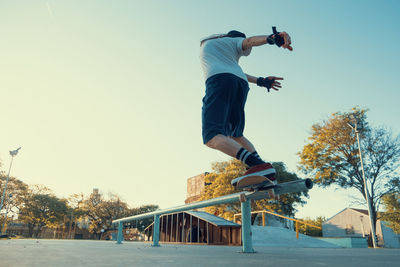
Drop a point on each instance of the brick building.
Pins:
(195, 187)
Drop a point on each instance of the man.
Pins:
(226, 93)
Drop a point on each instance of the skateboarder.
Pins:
(227, 86)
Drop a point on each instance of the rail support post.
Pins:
(156, 231)
(246, 227)
(119, 235)
(263, 218)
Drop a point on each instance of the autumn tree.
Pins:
(309, 230)
(41, 210)
(75, 212)
(14, 198)
(219, 184)
(331, 156)
(391, 203)
(101, 212)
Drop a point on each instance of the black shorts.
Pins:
(223, 106)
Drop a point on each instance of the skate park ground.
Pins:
(41, 252)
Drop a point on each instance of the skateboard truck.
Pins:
(242, 198)
(255, 184)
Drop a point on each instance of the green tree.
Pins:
(101, 212)
(42, 210)
(15, 196)
(309, 230)
(332, 157)
(392, 214)
(219, 184)
(142, 224)
(75, 213)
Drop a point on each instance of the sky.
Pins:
(107, 94)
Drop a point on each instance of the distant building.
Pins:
(196, 227)
(195, 187)
(355, 223)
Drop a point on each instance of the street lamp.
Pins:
(5, 217)
(353, 125)
(13, 153)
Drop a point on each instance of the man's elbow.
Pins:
(247, 44)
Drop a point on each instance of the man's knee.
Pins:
(236, 138)
(215, 141)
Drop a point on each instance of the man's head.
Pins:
(234, 34)
(231, 34)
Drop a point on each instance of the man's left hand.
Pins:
(270, 82)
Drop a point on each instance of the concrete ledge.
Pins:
(347, 242)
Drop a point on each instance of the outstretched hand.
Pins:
(270, 82)
(287, 39)
(281, 39)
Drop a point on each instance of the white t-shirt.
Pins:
(222, 55)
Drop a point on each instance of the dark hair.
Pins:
(234, 34)
(231, 34)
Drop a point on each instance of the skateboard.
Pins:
(255, 183)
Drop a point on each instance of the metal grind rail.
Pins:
(247, 244)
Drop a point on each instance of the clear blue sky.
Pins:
(107, 94)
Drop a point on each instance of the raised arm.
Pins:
(254, 41)
(282, 39)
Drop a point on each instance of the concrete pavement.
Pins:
(31, 252)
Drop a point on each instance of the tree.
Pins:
(309, 230)
(219, 184)
(392, 214)
(102, 212)
(332, 156)
(75, 213)
(15, 195)
(143, 223)
(42, 210)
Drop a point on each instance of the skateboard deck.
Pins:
(255, 183)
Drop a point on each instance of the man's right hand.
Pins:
(281, 39)
(287, 39)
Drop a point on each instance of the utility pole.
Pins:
(353, 124)
(13, 153)
(4, 228)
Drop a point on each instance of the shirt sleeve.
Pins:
(239, 48)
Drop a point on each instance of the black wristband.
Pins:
(265, 82)
(270, 39)
(275, 38)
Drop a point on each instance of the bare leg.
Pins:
(244, 142)
(224, 144)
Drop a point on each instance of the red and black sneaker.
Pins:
(265, 169)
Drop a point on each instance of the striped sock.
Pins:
(255, 154)
(248, 158)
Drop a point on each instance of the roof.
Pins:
(334, 216)
(365, 212)
(217, 221)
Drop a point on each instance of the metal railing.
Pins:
(263, 212)
(244, 197)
